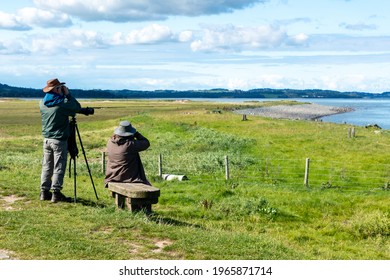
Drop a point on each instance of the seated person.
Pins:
(124, 162)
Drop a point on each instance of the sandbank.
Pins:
(295, 112)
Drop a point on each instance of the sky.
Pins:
(339, 45)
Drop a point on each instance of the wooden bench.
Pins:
(135, 196)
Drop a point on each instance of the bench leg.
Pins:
(147, 208)
(135, 205)
(120, 200)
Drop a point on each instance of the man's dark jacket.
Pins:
(55, 118)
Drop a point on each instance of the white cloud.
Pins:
(12, 47)
(44, 18)
(236, 83)
(124, 11)
(25, 18)
(12, 22)
(232, 38)
(77, 39)
(60, 42)
(47, 46)
(150, 34)
(299, 39)
(185, 36)
(84, 39)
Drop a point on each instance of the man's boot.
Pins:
(58, 197)
(45, 195)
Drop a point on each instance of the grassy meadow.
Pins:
(262, 211)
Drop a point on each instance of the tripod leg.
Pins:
(74, 180)
(86, 161)
(74, 176)
(70, 167)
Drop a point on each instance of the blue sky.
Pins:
(184, 44)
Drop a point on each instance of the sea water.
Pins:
(366, 111)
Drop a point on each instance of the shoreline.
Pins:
(295, 112)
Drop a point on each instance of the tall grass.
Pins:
(262, 212)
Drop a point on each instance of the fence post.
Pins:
(160, 165)
(227, 167)
(104, 162)
(351, 132)
(306, 180)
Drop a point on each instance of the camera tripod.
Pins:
(73, 152)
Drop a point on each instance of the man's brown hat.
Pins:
(52, 84)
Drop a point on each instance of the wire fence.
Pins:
(310, 173)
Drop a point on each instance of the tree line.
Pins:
(7, 91)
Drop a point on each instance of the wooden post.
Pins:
(351, 132)
(306, 180)
(104, 162)
(160, 165)
(244, 117)
(227, 175)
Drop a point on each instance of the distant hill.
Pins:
(19, 92)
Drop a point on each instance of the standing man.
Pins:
(124, 162)
(56, 108)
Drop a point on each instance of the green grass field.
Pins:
(263, 211)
